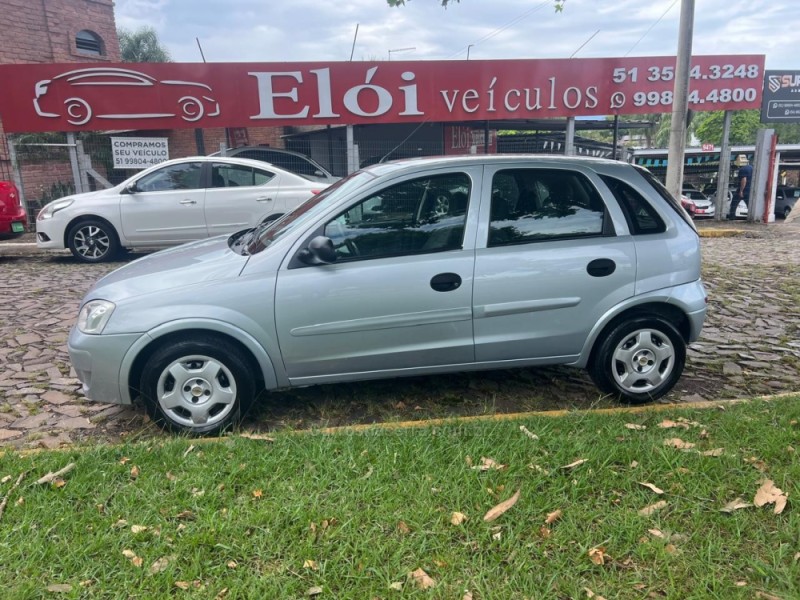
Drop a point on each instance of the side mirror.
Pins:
(131, 188)
(319, 173)
(320, 251)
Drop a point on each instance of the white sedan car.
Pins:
(171, 203)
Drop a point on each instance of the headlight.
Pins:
(55, 206)
(94, 315)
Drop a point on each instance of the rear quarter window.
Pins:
(642, 218)
(664, 193)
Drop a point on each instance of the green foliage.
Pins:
(744, 125)
(141, 46)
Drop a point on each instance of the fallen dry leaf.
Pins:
(124, 460)
(257, 494)
(553, 517)
(232, 564)
(222, 593)
(185, 515)
(188, 450)
(529, 433)
(314, 591)
(171, 477)
(396, 585)
(5, 479)
(740, 584)
(310, 564)
(657, 533)
(467, 595)
(120, 524)
(577, 463)
(652, 488)
(160, 565)
(487, 464)
(498, 510)
(634, 464)
(769, 494)
(704, 435)
(714, 452)
(421, 579)
(591, 594)
(131, 556)
(598, 556)
(457, 518)
(670, 549)
(766, 596)
(59, 483)
(669, 424)
(258, 436)
(59, 587)
(138, 528)
(544, 532)
(678, 443)
(403, 528)
(182, 585)
(134, 472)
(635, 426)
(649, 510)
(758, 464)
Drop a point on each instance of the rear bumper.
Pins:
(13, 224)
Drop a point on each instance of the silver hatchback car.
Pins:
(421, 266)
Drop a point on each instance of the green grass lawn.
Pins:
(350, 515)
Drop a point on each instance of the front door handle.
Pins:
(187, 201)
(263, 199)
(446, 282)
(601, 267)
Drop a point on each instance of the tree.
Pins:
(141, 45)
(744, 124)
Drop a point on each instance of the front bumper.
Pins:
(49, 235)
(97, 359)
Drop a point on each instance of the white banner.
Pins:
(138, 152)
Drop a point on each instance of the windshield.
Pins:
(267, 233)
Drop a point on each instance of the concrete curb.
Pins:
(400, 425)
(716, 233)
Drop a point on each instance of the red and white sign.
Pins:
(707, 147)
(70, 97)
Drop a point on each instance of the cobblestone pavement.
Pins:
(750, 346)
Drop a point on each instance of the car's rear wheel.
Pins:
(639, 360)
(93, 241)
(197, 386)
(786, 212)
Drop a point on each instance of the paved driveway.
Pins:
(750, 346)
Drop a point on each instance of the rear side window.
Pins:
(641, 216)
(531, 205)
(664, 193)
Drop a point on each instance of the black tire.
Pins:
(786, 211)
(639, 360)
(199, 386)
(93, 241)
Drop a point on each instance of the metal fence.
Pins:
(51, 165)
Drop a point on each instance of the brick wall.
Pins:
(42, 31)
(38, 179)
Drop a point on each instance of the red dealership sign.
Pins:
(69, 97)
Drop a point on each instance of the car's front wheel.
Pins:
(639, 360)
(93, 241)
(198, 386)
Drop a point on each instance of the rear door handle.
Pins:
(263, 199)
(187, 201)
(446, 282)
(601, 267)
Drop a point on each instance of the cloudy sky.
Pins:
(314, 30)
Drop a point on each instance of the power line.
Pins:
(491, 34)
(651, 27)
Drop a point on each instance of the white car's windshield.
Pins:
(267, 233)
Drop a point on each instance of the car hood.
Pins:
(195, 263)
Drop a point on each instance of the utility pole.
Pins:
(680, 100)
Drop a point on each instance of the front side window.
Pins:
(530, 205)
(184, 176)
(226, 175)
(418, 216)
